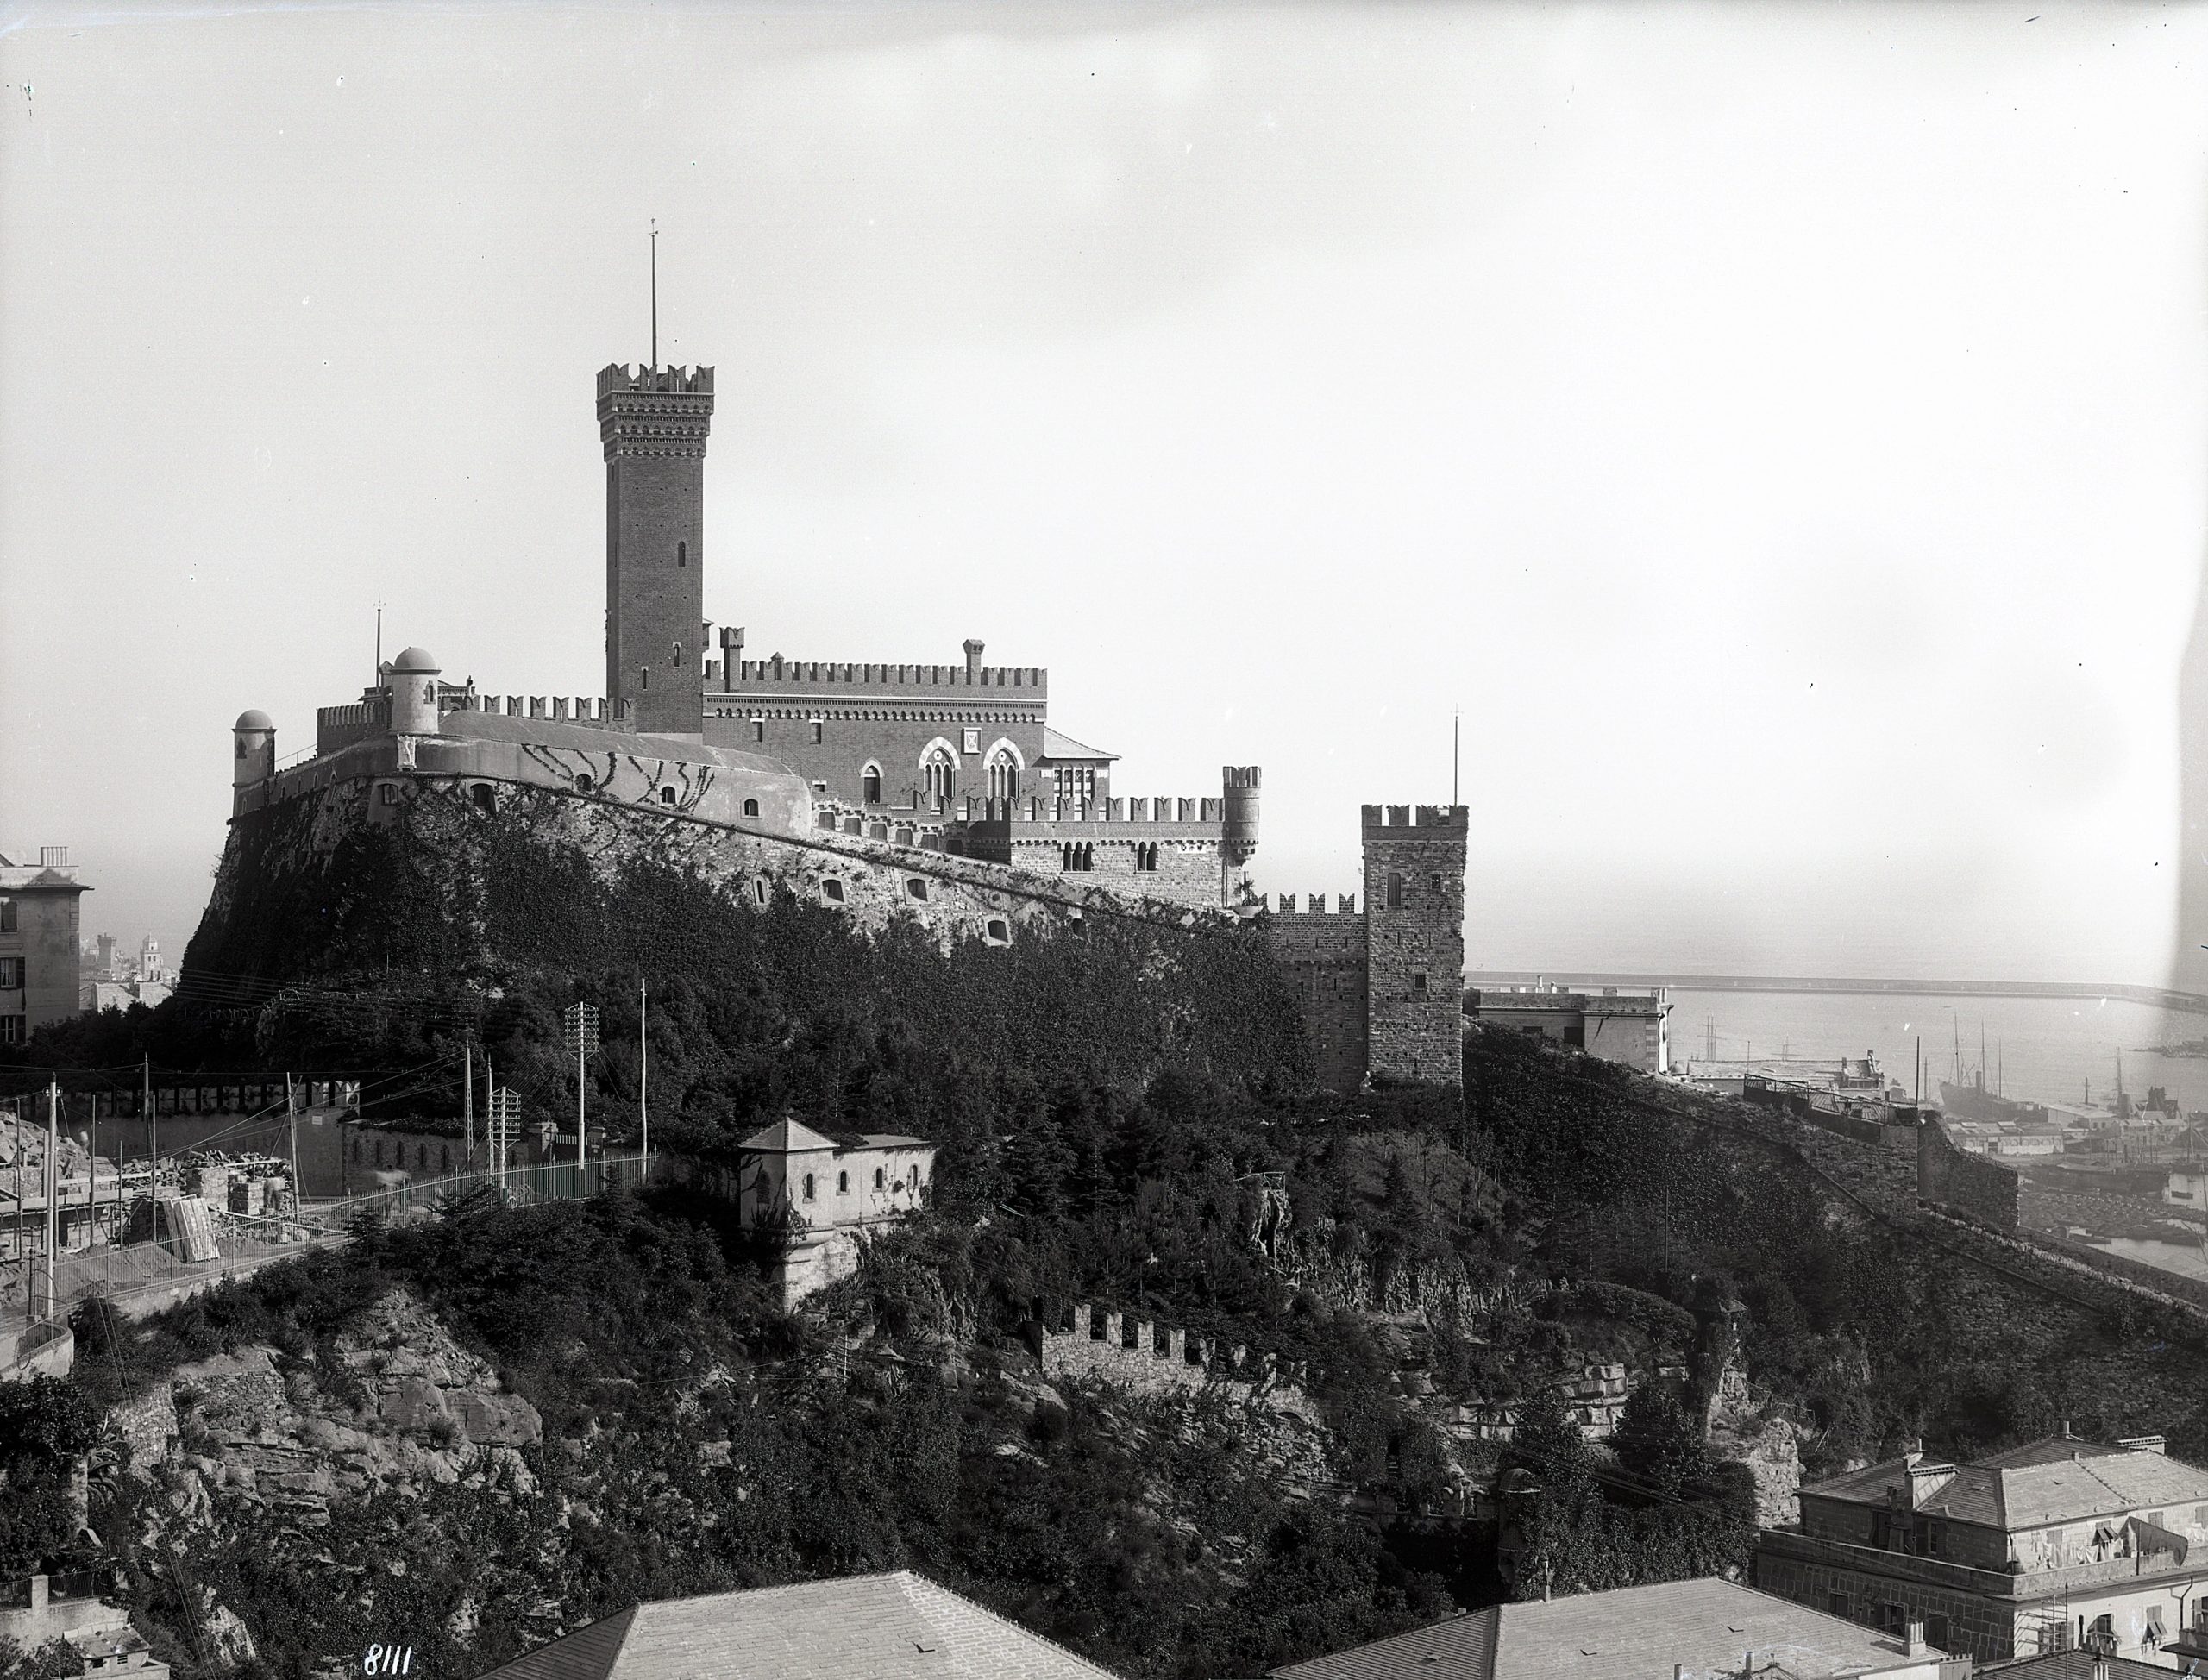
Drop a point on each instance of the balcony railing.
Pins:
(1992, 1584)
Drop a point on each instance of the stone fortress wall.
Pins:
(1150, 1358)
(881, 788)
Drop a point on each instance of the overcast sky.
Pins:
(1781, 430)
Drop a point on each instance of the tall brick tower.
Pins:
(654, 422)
(1415, 941)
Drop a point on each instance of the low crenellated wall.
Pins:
(1152, 1359)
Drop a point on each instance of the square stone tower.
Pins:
(1415, 941)
(654, 423)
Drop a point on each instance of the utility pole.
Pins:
(582, 1025)
(467, 1097)
(53, 1185)
(292, 1115)
(153, 1121)
(644, 1078)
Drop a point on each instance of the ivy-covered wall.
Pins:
(778, 968)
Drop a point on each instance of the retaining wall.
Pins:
(1153, 1358)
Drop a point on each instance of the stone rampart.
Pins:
(1157, 1359)
(1948, 1177)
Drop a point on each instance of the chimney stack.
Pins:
(973, 660)
(1913, 1642)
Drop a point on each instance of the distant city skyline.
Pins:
(1782, 432)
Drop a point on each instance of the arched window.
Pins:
(916, 1178)
(487, 801)
(870, 785)
(877, 1178)
(667, 796)
(1395, 891)
(759, 888)
(678, 655)
(808, 1187)
(682, 554)
(1004, 775)
(843, 1184)
(940, 773)
(917, 887)
(832, 890)
(643, 676)
(585, 782)
(751, 807)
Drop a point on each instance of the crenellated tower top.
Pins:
(654, 412)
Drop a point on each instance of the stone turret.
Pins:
(253, 756)
(414, 690)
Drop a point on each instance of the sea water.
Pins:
(2037, 1050)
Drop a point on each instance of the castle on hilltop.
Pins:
(934, 789)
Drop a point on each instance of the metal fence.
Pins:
(557, 1181)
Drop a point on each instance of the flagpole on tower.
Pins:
(655, 294)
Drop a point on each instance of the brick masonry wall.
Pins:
(1415, 946)
(1324, 955)
(654, 440)
(894, 735)
(1188, 871)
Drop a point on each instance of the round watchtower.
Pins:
(1237, 838)
(255, 758)
(414, 709)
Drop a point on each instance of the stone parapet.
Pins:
(1137, 1353)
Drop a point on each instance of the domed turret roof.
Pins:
(254, 719)
(416, 662)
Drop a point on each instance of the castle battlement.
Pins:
(1441, 819)
(619, 378)
(877, 678)
(1315, 905)
(1138, 1353)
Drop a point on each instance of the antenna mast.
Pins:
(1456, 745)
(655, 294)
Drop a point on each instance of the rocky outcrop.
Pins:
(405, 1408)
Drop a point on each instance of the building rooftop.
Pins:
(1056, 745)
(1698, 1627)
(2055, 1479)
(895, 1627)
(2075, 1665)
(786, 1136)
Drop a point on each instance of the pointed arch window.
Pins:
(1004, 775)
(939, 771)
(870, 785)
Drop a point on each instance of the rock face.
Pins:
(1771, 1449)
(408, 1407)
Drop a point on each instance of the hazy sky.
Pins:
(1782, 429)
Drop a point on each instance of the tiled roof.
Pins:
(1704, 1628)
(1056, 745)
(2075, 1665)
(1462, 1648)
(896, 1627)
(785, 1136)
(2053, 1480)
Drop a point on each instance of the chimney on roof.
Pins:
(1925, 1478)
(1913, 1642)
(973, 659)
(2064, 1429)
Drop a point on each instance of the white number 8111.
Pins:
(388, 1659)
